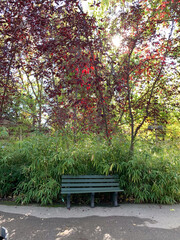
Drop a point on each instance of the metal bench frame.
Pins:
(90, 184)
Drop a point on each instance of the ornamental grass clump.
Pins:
(31, 170)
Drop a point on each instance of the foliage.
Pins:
(60, 73)
(152, 176)
(61, 70)
(31, 170)
(3, 132)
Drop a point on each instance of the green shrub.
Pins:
(12, 161)
(4, 133)
(150, 182)
(31, 170)
(38, 187)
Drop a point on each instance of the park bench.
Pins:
(90, 184)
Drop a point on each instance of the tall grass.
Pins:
(31, 170)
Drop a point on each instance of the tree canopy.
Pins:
(60, 69)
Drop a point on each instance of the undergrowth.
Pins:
(31, 170)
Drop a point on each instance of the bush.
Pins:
(152, 182)
(12, 161)
(31, 170)
(3, 133)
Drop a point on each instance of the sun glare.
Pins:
(85, 6)
(116, 40)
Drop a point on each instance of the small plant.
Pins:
(3, 133)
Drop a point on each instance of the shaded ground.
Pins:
(22, 227)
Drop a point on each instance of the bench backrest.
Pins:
(89, 184)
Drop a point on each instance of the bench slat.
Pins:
(88, 180)
(89, 176)
(90, 190)
(89, 184)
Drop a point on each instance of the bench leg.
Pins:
(92, 200)
(68, 201)
(115, 194)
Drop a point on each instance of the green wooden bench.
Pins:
(90, 184)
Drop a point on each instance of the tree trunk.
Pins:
(131, 149)
(40, 116)
(6, 85)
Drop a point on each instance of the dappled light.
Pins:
(7, 220)
(107, 236)
(12, 234)
(117, 41)
(66, 233)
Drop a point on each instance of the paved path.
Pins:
(126, 222)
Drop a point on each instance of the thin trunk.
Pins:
(40, 89)
(20, 134)
(6, 85)
(75, 120)
(131, 150)
(40, 117)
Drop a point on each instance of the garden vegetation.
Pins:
(89, 92)
(30, 170)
